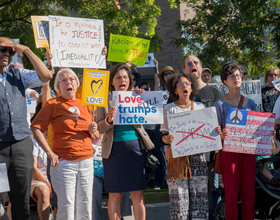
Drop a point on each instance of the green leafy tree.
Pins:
(126, 17)
(247, 32)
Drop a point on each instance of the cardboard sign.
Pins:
(145, 108)
(97, 150)
(4, 182)
(126, 48)
(31, 105)
(194, 132)
(77, 42)
(149, 61)
(250, 132)
(40, 26)
(251, 89)
(95, 87)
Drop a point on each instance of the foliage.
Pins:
(247, 32)
(128, 17)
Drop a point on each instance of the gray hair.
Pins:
(63, 71)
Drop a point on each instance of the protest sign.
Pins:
(149, 61)
(95, 87)
(251, 89)
(276, 84)
(194, 132)
(145, 108)
(40, 26)
(77, 42)
(126, 48)
(250, 132)
(4, 182)
(97, 151)
(31, 105)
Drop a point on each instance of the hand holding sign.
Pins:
(111, 114)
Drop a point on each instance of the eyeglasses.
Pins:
(232, 77)
(187, 84)
(273, 74)
(120, 78)
(167, 73)
(5, 49)
(65, 81)
(191, 63)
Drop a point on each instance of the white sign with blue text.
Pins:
(194, 132)
(145, 108)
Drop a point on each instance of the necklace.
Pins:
(187, 105)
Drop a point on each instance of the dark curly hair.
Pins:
(229, 69)
(114, 70)
(172, 85)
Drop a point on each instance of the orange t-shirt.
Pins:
(69, 121)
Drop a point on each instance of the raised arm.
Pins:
(37, 63)
(156, 79)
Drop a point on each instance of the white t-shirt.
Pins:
(41, 155)
(171, 108)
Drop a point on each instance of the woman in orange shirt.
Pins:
(73, 129)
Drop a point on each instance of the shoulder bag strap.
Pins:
(240, 102)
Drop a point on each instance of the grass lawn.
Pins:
(156, 196)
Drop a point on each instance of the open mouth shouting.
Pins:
(194, 71)
(185, 92)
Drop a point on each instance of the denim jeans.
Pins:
(72, 182)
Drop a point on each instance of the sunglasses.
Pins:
(5, 49)
(191, 63)
(272, 74)
(167, 73)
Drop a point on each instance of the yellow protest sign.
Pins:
(40, 26)
(95, 87)
(126, 48)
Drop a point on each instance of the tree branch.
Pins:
(4, 4)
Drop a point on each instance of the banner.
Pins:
(95, 87)
(149, 61)
(40, 26)
(126, 48)
(145, 108)
(194, 132)
(251, 89)
(250, 132)
(77, 42)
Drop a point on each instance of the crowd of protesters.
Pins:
(65, 132)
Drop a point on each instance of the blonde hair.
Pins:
(272, 69)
